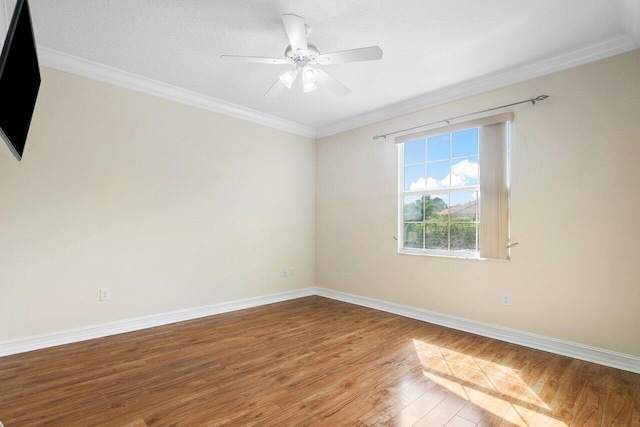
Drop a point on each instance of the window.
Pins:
(453, 197)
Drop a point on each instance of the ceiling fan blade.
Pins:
(328, 81)
(371, 53)
(296, 31)
(254, 59)
(276, 89)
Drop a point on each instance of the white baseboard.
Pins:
(565, 348)
(37, 342)
(600, 356)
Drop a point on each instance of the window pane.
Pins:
(435, 206)
(438, 174)
(414, 177)
(464, 171)
(413, 208)
(464, 143)
(463, 236)
(464, 206)
(413, 237)
(436, 236)
(438, 147)
(414, 151)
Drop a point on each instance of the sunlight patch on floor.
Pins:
(494, 388)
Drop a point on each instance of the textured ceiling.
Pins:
(428, 44)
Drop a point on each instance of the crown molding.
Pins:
(604, 49)
(624, 42)
(71, 64)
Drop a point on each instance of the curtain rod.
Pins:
(531, 100)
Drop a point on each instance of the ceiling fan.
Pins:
(303, 55)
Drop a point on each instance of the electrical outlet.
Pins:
(291, 271)
(105, 294)
(506, 299)
(284, 272)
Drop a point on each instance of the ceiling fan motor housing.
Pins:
(300, 58)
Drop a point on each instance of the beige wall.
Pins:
(169, 206)
(174, 207)
(575, 212)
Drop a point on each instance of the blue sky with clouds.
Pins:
(442, 161)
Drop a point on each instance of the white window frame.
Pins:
(435, 192)
(402, 193)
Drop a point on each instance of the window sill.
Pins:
(465, 255)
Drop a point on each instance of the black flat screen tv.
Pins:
(19, 80)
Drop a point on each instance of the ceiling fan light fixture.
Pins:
(309, 87)
(288, 78)
(309, 75)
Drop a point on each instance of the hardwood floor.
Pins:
(311, 361)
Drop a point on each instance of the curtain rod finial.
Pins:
(539, 98)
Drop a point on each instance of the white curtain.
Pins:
(494, 192)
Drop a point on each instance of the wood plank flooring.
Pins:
(310, 361)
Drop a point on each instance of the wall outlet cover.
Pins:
(506, 299)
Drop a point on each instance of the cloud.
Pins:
(461, 173)
(422, 184)
(465, 168)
